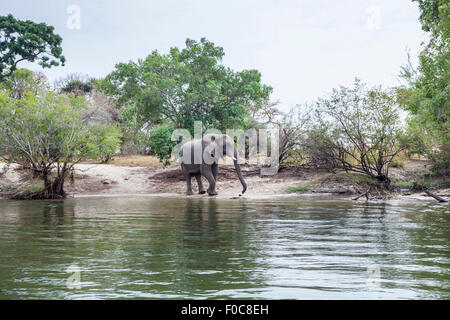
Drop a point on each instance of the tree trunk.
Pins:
(58, 187)
(53, 189)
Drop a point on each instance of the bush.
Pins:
(357, 129)
(396, 163)
(319, 150)
(297, 189)
(106, 139)
(46, 134)
(441, 161)
(161, 143)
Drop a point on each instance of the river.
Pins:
(288, 248)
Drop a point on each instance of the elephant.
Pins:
(200, 157)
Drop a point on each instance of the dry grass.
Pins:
(140, 161)
(136, 161)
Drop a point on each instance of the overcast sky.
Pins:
(303, 48)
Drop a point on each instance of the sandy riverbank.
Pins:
(92, 179)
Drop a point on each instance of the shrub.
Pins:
(46, 134)
(357, 129)
(396, 163)
(161, 143)
(297, 189)
(106, 139)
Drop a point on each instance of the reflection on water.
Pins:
(245, 249)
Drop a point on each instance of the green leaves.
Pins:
(22, 81)
(170, 91)
(359, 130)
(428, 90)
(427, 96)
(434, 16)
(103, 141)
(161, 143)
(39, 131)
(30, 41)
(185, 86)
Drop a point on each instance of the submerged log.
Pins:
(428, 192)
(366, 194)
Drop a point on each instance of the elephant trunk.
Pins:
(239, 173)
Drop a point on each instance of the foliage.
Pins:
(76, 83)
(292, 127)
(428, 89)
(23, 81)
(397, 163)
(27, 41)
(441, 163)
(78, 87)
(434, 16)
(263, 115)
(319, 149)
(106, 139)
(161, 143)
(100, 110)
(358, 129)
(357, 178)
(136, 135)
(185, 86)
(46, 133)
(297, 189)
(407, 184)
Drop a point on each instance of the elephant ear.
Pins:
(213, 152)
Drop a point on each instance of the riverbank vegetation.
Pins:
(357, 133)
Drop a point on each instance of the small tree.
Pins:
(27, 41)
(75, 83)
(105, 141)
(292, 127)
(426, 94)
(161, 143)
(46, 135)
(319, 150)
(360, 130)
(23, 81)
(184, 86)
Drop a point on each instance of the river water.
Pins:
(144, 247)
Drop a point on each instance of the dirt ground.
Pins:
(111, 179)
(145, 176)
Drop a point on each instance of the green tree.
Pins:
(76, 83)
(434, 16)
(185, 86)
(357, 129)
(161, 143)
(428, 90)
(105, 140)
(23, 81)
(27, 41)
(46, 134)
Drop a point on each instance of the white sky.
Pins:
(303, 48)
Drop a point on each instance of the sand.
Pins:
(112, 180)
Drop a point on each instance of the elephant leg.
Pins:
(187, 175)
(208, 174)
(201, 189)
(215, 169)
